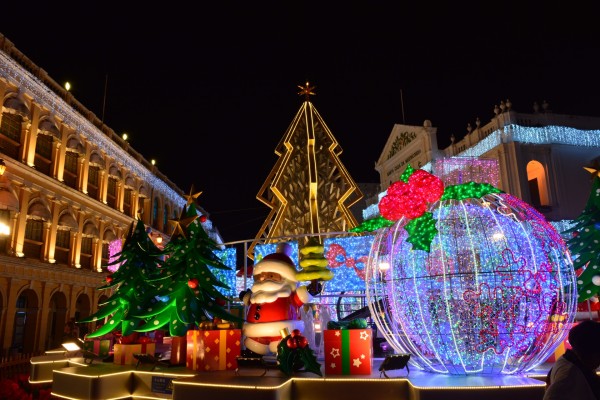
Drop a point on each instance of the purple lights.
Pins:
(494, 295)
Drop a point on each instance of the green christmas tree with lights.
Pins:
(584, 243)
(140, 262)
(187, 290)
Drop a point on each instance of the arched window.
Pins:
(10, 134)
(538, 184)
(96, 165)
(155, 213)
(43, 153)
(165, 217)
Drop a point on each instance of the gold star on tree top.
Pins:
(192, 196)
(594, 169)
(306, 91)
(180, 225)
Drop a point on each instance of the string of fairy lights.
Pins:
(551, 134)
(490, 297)
(43, 96)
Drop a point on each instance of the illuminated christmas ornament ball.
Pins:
(482, 284)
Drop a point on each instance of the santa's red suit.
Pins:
(270, 311)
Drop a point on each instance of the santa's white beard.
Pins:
(269, 291)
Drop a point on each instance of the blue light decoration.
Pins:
(496, 293)
(229, 257)
(346, 256)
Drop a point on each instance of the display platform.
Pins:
(73, 378)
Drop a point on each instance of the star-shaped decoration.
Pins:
(192, 196)
(337, 333)
(332, 365)
(335, 352)
(364, 335)
(179, 225)
(594, 170)
(356, 362)
(306, 91)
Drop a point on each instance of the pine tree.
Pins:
(133, 290)
(585, 243)
(188, 289)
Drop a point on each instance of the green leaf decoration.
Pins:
(307, 356)
(408, 171)
(293, 360)
(373, 224)
(421, 232)
(285, 357)
(469, 190)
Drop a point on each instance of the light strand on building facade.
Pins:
(12, 71)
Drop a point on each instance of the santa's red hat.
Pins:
(279, 262)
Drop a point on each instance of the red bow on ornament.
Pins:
(409, 199)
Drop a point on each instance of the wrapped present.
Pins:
(213, 350)
(100, 347)
(123, 354)
(348, 351)
(157, 336)
(178, 349)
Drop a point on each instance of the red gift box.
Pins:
(348, 351)
(178, 349)
(124, 352)
(213, 350)
(100, 347)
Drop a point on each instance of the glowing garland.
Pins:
(551, 134)
(41, 95)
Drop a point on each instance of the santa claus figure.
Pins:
(273, 302)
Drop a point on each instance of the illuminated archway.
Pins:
(538, 184)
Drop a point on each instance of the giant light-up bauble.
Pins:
(495, 294)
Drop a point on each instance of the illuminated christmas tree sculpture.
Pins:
(187, 292)
(140, 262)
(584, 245)
(308, 190)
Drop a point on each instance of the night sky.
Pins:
(209, 91)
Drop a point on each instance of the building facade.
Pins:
(541, 156)
(71, 187)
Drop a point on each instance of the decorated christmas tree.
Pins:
(584, 243)
(186, 293)
(140, 262)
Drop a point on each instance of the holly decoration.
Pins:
(583, 244)
(293, 353)
(410, 198)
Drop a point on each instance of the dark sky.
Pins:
(209, 88)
